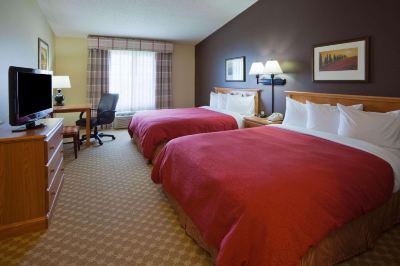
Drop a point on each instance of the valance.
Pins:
(118, 43)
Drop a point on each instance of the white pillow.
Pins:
(213, 100)
(295, 114)
(381, 129)
(243, 105)
(222, 100)
(324, 117)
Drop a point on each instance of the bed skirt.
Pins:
(158, 149)
(350, 240)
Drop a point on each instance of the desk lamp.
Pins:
(60, 82)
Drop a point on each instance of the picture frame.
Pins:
(235, 69)
(341, 61)
(43, 55)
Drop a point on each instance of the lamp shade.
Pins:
(61, 82)
(272, 67)
(256, 68)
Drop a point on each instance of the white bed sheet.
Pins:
(392, 156)
(238, 117)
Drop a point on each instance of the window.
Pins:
(133, 77)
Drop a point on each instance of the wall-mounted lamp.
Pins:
(257, 69)
(271, 68)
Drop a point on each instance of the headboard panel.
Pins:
(244, 92)
(371, 103)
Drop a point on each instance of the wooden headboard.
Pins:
(371, 103)
(243, 92)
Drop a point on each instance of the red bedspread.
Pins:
(156, 127)
(264, 196)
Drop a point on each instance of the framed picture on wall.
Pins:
(235, 69)
(43, 55)
(343, 61)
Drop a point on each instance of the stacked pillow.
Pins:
(296, 113)
(325, 117)
(382, 129)
(243, 105)
(222, 101)
(213, 100)
(321, 117)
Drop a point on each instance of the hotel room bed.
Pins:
(281, 196)
(151, 130)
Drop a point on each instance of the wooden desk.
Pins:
(72, 108)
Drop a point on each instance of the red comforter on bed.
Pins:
(264, 196)
(156, 127)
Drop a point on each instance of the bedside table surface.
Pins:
(260, 120)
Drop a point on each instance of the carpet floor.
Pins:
(110, 213)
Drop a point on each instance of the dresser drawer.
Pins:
(55, 163)
(55, 186)
(53, 141)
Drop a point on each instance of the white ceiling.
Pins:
(186, 21)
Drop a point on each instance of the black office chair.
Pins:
(105, 115)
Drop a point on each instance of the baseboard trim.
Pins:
(24, 227)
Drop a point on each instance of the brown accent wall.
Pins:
(286, 30)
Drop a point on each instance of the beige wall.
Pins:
(71, 59)
(183, 75)
(21, 24)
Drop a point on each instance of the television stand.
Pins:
(29, 126)
(31, 177)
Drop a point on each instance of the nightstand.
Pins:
(255, 121)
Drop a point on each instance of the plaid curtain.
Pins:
(98, 75)
(117, 43)
(163, 83)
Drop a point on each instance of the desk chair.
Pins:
(105, 115)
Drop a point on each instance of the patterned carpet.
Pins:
(110, 213)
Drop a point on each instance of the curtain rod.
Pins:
(129, 38)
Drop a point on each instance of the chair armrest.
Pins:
(81, 114)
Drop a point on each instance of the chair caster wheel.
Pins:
(113, 138)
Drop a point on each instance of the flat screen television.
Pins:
(30, 95)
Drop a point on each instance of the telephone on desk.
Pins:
(273, 117)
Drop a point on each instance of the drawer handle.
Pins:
(62, 169)
(51, 147)
(62, 151)
(52, 171)
(53, 193)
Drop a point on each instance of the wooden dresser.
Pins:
(31, 177)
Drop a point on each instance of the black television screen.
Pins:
(34, 93)
(30, 95)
